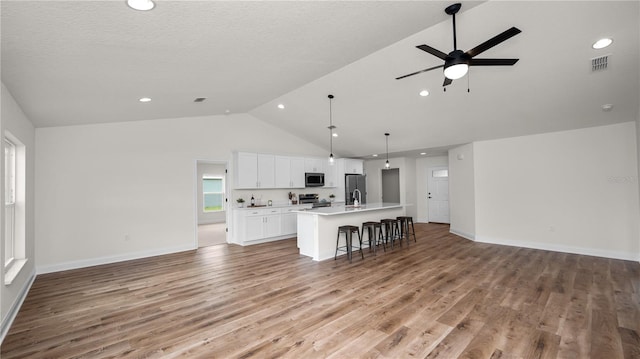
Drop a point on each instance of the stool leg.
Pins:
(360, 239)
(381, 239)
(337, 243)
(413, 230)
(349, 245)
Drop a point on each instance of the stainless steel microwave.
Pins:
(313, 179)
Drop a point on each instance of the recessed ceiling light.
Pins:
(423, 153)
(374, 155)
(142, 5)
(607, 107)
(281, 106)
(602, 43)
(145, 99)
(424, 93)
(335, 134)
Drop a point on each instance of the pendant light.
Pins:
(331, 127)
(386, 164)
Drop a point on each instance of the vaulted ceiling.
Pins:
(84, 62)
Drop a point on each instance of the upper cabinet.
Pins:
(353, 166)
(266, 171)
(289, 172)
(331, 174)
(246, 170)
(254, 170)
(314, 165)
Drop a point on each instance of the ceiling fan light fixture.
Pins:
(456, 71)
(141, 5)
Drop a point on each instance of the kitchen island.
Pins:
(318, 227)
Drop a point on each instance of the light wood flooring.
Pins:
(211, 234)
(443, 297)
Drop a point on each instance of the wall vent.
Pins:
(600, 63)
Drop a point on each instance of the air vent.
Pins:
(600, 63)
(200, 99)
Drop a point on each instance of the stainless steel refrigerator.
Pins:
(353, 182)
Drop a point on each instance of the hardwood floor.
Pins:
(442, 297)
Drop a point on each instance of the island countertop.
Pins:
(344, 209)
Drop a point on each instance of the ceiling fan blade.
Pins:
(447, 82)
(492, 62)
(421, 71)
(432, 51)
(493, 41)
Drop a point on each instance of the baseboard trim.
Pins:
(462, 234)
(595, 252)
(111, 259)
(15, 308)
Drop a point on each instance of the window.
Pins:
(9, 202)
(213, 193)
(440, 173)
(14, 207)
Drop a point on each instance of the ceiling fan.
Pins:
(456, 63)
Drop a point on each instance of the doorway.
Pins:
(211, 203)
(391, 185)
(438, 194)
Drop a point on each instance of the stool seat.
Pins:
(348, 231)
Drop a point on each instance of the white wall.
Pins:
(213, 169)
(118, 191)
(422, 176)
(12, 119)
(462, 191)
(572, 191)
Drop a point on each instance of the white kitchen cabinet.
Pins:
(257, 224)
(246, 170)
(289, 172)
(352, 165)
(314, 165)
(297, 172)
(254, 170)
(264, 224)
(266, 171)
(289, 221)
(331, 175)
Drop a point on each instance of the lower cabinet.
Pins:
(252, 226)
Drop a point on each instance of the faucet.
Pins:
(356, 200)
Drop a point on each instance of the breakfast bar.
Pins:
(317, 227)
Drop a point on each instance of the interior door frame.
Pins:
(429, 172)
(227, 188)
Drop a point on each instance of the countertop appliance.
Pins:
(312, 179)
(353, 182)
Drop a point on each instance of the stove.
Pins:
(313, 199)
(308, 198)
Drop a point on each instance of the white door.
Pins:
(438, 194)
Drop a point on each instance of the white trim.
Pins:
(15, 308)
(462, 234)
(596, 252)
(83, 263)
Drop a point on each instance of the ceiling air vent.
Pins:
(200, 99)
(600, 63)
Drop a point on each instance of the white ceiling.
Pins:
(82, 62)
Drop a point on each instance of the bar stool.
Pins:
(371, 228)
(348, 231)
(405, 222)
(391, 230)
